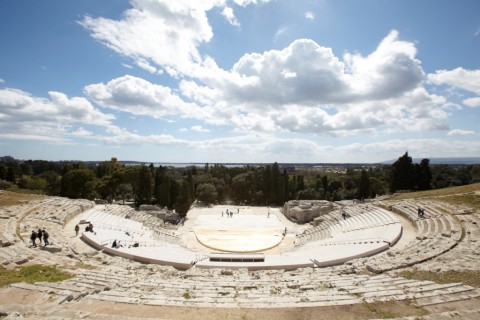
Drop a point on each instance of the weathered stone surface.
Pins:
(51, 249)
(304, 211)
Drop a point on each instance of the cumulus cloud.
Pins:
(306, 88)
(468, 80)
(23, 116)
(302, 88)
(140, 97)
(228, 14)
(461, 133)
(19, 106)
(161, 33)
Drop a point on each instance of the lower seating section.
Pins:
(238, 289)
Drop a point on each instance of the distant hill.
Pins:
(449, 161)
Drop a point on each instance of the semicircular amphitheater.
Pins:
(232, 257)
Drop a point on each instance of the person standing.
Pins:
(45, 237)
(33, 237)
(39, 236)
(77, 229)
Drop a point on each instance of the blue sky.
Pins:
(239, 80)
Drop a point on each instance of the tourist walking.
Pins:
(39, 236)
(45, 237)
(33, 237)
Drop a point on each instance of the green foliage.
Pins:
(207, 193)
(183, 201)
(143, 187)
(251, 185)
(79, 183)
(364, 190)
(402, 174)
(32, 274)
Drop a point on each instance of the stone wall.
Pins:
(304, 211)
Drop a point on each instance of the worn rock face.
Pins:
(304, 211)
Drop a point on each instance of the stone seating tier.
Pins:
(309, 287)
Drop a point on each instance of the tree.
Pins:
(53, 180)
(107, 168)
(423, 175)
(402, 174)
(125, 191)
(11, 176)
(206, 192)
(183, 201)
(364, 190)
(143, 188)
(32, 183)
(80, 183)
(162, 186)
(475, 173)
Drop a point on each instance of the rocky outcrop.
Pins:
(304, 211)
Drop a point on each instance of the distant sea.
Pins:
(449, 161)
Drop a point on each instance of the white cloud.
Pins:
(23, 116)
(2, 81)
(20, 106)
(472, 102)
(301, 88)
(81, 132)
(140, 97)
(477, 33)
(244, 3)
(309, 15)
(228, 14)
(262, 147)
(461, 133)
(305, 88)
(161, 33)
(468, 80)
(198, 129)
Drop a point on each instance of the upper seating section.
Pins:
(436, 233)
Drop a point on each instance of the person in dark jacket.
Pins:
(33, 237)
(40, 236)
(45, 237)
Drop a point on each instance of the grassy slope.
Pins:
(8, 198)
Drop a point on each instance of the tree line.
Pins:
(177, 188)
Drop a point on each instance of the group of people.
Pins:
(42, 234)
(89, 228)
(230, 213)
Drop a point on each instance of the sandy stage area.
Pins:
(248, 229)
